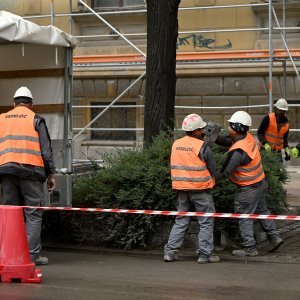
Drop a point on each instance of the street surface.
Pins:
(93, 275)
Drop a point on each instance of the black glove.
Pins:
(287, 153)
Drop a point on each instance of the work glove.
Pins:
(287, 153)
(267, 147)
(211, 131)
(295, 152)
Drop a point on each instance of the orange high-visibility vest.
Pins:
(273, 136)
(252, 172)
(188, 171)
(19, 141)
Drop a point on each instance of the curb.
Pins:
(288, 232)
(265, 257)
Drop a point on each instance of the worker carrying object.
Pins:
(244, 167)
(26, 161)
(192, 172)
(273, 131)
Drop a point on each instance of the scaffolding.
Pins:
(269, 56)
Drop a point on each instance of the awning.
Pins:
(13, 28)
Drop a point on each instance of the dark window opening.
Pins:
(114, 118)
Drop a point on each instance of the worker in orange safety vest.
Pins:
(192, 173)
(273, 131)
(26, 162)
(244, 167)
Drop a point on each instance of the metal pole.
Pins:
(70, 17)
(284, 36)
(191, 32)
(68, 109)
(270, 59)
(112, 103)
(68, 132)
(145, 10)
(223, 6)
(285, 44)
(52, 12)
(112, 28)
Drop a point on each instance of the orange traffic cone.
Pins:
(15, 263)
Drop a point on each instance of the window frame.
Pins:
(111, 135)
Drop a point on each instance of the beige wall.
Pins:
(226, 87)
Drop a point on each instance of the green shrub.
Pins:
(140, 179)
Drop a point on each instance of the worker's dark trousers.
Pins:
(190, 201)
(18, 191)
(250, 200)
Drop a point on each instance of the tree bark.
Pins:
(162, 33)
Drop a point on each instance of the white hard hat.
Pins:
(23, 91)
(192, 122)
(241, 117)
(282, 104)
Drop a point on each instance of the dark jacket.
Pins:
(264, 126)
(235, 158)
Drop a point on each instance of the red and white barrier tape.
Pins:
(170, 213)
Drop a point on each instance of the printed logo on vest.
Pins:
(21, 116)
(184, 148)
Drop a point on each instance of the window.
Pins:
(98, 4)
(114, 118)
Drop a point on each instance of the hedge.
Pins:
(140, 179)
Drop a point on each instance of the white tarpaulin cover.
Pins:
(13, 28)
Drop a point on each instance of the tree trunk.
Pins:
(162, 32)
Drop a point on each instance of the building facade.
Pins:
(212, 84)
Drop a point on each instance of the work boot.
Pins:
(170, 257)
(245, 252)
(205, 259)
(41, 260)
(276, 243)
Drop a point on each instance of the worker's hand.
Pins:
(287, 153)
(51, 182)
(267, 147)
(295, 152)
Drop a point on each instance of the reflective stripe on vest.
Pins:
(19, 141)
(188, 171)
(274, 137)
(252, 172)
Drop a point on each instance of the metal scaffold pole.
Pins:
(284, 36)
(270, 59)
(52, 12)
